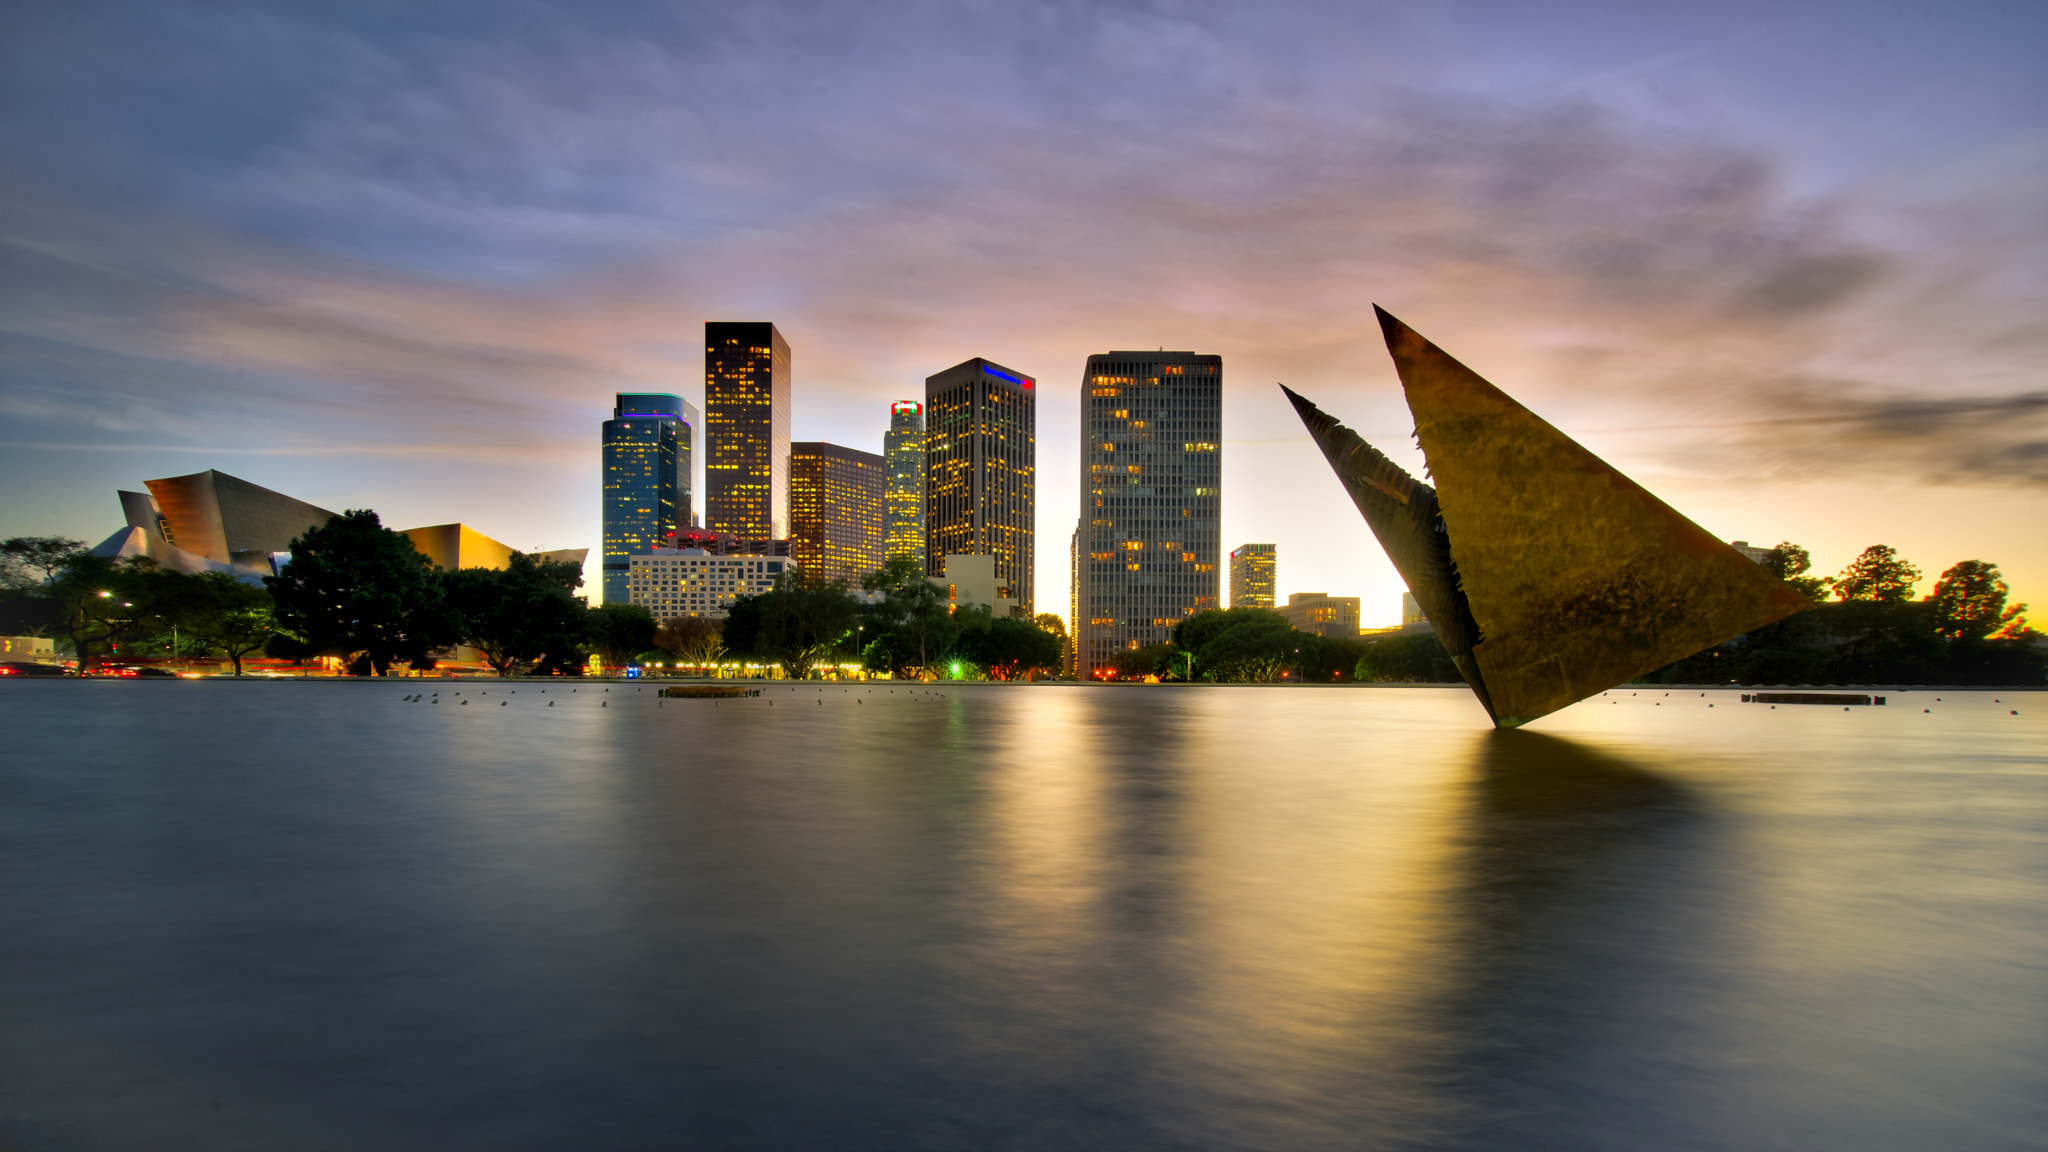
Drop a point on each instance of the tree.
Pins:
(619, 632)
(521, 614)
(357, 589)
(803, 619)
(913, 624)
(100, 602)
(1138, 663)
(1193, 634)
(224, 613)
(1051, 622)
(1790, 563)
(29, 562)
(1011, 647)
(1417, 658)
(1254, 651)
(1969, 603)
(1879, 575)
(694, 641)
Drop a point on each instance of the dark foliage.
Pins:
(356, 589)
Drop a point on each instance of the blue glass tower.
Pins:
(649, 462)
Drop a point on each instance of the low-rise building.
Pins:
(675, 582)
(1323, 614)
(971, 580)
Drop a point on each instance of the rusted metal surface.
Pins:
(1575, 577)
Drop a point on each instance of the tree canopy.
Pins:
(1878, 574)
(519, 616)
(619, 632)
(357, 589)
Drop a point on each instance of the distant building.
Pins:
(455, 546)
(746, 430)
(837, 501)
(981, 428)
(1252, 576)
(213, 522)
(28, 650)
(1322, 614)
(1073, 598)
(648, 452)
(974, 580)
(725, 544)
(1758, 555)
(1151, 484)
(1411, 610)
(903, 446)
(676, 582)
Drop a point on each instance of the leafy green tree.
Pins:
(913, 626)
(1329, 658)
(29, 562)
(1417, 658)
(1053, 623)
(1877, 575)
(619, 632)
(1010, 648)
(1790, 563)
(1193, 634)
(802, 620)
(518, 615)
(357, 589)
(225, 614)
(692, 641)
(1256, 651)
(1969, 603)
(102, 602)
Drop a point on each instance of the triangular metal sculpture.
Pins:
(1548, 575)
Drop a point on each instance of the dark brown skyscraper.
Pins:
(746, 425)
(838, 525)
(981, 452)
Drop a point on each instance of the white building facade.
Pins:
(674, 582)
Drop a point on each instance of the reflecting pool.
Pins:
(321, 915)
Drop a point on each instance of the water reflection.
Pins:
(1589, 892)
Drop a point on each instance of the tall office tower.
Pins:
(838, 529)
(746, 426)
(1251, 576)
(903, 444)
(980, 436)
(647, 488)
(1151, 475)
(1073, 598)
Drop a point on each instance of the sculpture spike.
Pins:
(1402, 513)
(1573, 577)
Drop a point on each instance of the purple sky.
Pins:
(1783, 263)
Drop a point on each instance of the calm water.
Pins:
(313, 916)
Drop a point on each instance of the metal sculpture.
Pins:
(1548, 575)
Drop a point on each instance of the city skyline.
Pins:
(383, 257)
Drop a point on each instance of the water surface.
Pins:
(318, 916)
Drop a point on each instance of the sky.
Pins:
(1783, 263)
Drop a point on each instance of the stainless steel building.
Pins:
(1151, 507)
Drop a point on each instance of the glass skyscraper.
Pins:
(903, 447)
(981, 452)
(648, 494)
(746, 412)
(1151, 506)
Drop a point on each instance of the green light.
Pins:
(956, 669)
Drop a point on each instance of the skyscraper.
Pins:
(746, 424)
(1251, 576)
(903, 444)
(837, 496)
(647, 487)
(1151, 478)
(981, 428)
